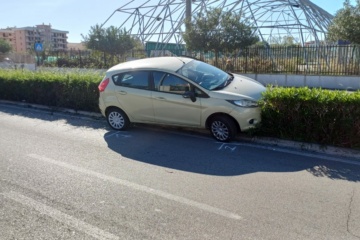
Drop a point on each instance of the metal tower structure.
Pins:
(163, 20)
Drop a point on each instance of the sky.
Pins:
(77, 16)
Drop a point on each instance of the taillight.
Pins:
(103, 84)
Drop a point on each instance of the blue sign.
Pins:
(38, 47)
(342, 42)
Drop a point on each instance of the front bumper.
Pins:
(247, 117)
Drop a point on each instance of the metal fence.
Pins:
(15, 60)
(323, 60)
(86, 58)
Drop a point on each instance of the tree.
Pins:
(346, 24)
(5, 47)
(283, 41)
(218, 31)
(111, 40)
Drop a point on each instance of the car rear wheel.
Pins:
(223, 128)
(117, 119)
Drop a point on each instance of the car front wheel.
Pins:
(117, 119)
(223, 128)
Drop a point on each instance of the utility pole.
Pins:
(188, 11)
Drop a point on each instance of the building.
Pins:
(23, 39)
(76, 46)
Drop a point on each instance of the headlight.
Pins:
(244, 103)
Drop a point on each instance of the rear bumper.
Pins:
(102, 106)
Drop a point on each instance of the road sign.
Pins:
(38, 47)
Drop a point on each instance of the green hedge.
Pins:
(302, 114)
(76, 90)
(312, 115)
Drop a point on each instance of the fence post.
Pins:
(246, 59)
(80, 63)
(297, 59)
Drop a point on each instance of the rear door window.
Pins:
(135, 79)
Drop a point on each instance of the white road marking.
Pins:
(139, 187)
(118, 134)
(227, 146)
(61, 217)
(110, 135)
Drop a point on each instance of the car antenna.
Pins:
(180, 60)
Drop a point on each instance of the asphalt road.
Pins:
(65, 177)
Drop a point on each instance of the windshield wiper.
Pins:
(226, 83)
(230, 79)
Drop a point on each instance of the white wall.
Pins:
(29, 66)
(330, 82)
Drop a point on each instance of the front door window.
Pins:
(170, 106)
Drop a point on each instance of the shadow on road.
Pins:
(199, 154)
(205, 156)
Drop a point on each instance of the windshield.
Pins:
(205, 75)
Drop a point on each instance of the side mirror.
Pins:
(190, 94)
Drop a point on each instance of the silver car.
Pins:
(179, 91)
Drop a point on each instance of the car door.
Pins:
(133, 93)
(170, 106)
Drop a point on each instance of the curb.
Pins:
(52, 109)
(275, 142)
(306, 147)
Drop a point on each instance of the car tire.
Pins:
(117, 119)
(223, 128)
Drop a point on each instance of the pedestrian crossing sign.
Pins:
(38, 47)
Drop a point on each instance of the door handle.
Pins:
(122, 92)
(161, 98)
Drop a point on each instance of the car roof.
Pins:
(158, 63)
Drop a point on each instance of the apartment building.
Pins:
(23, 39)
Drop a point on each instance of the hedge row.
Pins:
(76, 90)
(312, 115)
(302, 114)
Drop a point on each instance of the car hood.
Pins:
(242, 86)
